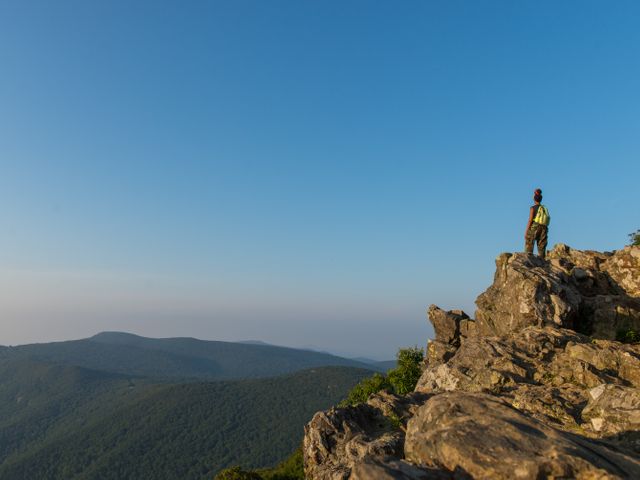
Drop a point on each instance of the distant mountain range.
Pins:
(382, 365)
(167, 358)
(118, 405)
(377, 365)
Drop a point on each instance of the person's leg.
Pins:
(529, 239)
(542, 241)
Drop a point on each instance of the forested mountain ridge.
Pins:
(61, 421)
(171, 358)
(118, 405)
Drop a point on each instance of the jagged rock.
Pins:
(619, 359)
(495, 363)
(557, 406)
(438, 352)
(399, 408)
(621, 267)
(624, 269)
(596, 293)
(450, 328)
(485, 438)
(534, 387)
(545, 372)
(527, 291)
(338, 440)
(613, 409)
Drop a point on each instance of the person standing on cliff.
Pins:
(537, 226)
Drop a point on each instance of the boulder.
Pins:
(393, 469)
(485, 438)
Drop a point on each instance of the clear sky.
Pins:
(300, 172)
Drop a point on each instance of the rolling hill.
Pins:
(183, 358)
(61, 422)
(118, 405)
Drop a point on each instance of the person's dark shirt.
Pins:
(535, 211)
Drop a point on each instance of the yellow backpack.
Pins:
(542, 217)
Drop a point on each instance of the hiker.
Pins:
(537, 226)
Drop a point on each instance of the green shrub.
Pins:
(405, 376)
(628, 336)
(400, 380)
(394, 420)
(360, 393)
(236, 473)
(290, 469)
(635, 237)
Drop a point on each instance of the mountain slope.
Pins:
(36, 400)
(104, 426)
(381, 365)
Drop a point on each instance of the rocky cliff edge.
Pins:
(535, 386)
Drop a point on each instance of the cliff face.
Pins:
(534, 387)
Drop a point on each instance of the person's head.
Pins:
(537, 195)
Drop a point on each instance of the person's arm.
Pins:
(529, 222)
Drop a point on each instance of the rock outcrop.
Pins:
(535, 386)
(591, 292)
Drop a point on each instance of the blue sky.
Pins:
(303, 173)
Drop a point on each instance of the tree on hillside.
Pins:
(360, 393)
(405, 376)
(400, 380)
(635, 237)
(236, 473)
(291, 468)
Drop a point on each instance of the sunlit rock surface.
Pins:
(535, 386)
